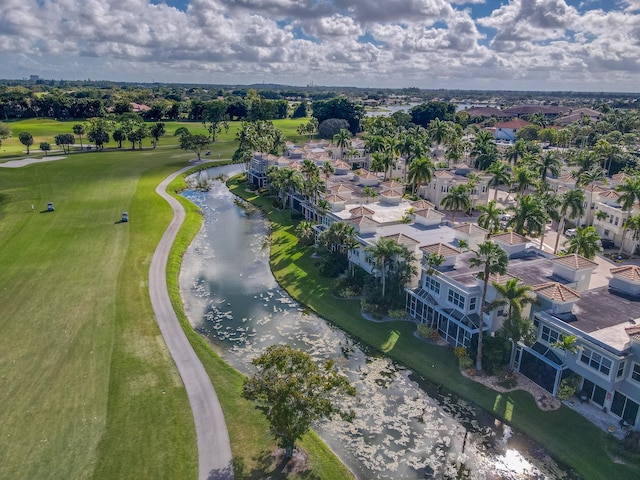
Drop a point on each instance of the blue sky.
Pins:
(587, 45)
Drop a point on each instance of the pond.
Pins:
(400, 431)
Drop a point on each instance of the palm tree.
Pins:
(629, 195)
(529, 216)
(493, 260)
(586, 178)
(389, 152)
(339, 237)
(484, 150)
(548, 164)
(551, 205)
(516, 295)
(516, 151)
(384, 252)
(631, 224)
(305, 232)
(523, 178)
(585, 242)
(327, 169)
(411, 147)
(458, 198)
(342, 139)
(572, 207)
(420, 171)
(501, 175)
(490, 216)
(78, 129)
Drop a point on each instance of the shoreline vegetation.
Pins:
(252, 446)
(568, 437)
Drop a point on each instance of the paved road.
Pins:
(214, 449)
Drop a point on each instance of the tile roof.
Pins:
(334, 198)
(633, 332)
(362, 220)
(515, 123)
(595, 188)
(512, 238)
(471, 229)
(392, 184)
(443, 173)
(440, 249)
(428, 213)
(391, 193)
(610, 194)
(404, 240)
(422, 204)
(360, 211)
(629, 272)
(557, 292)
(575, 261)
(501, 279)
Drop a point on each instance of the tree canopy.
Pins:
(339, 108)
(293, 392)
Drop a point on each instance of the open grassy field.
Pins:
(86, 385)
(569, 437)
(45, 130)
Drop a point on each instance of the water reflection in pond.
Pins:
(400, 431)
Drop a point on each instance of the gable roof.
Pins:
(421, 204)
(471, 229)
(404, 240)
(360, 211)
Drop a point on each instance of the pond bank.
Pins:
(579, 444)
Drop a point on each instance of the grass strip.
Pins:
(567, 436)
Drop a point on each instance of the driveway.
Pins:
(214, 449)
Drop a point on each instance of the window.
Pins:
(621, 370)
(472, 303)
(484, 189)
(606, 233)
(625, 408)
(549, 335)
(636, 372)
(456, 298)
(595, 361)
(445, 189)
(610, 218)
(617, 220)
(433, 285)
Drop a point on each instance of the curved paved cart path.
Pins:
(214, 449)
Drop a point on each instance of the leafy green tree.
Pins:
(331, 127)
(425, 113)
(98, 131)
(528, 133)
(215, 118)
(300, 111)
(339, 108)
(457, 199)
(119, 136)
(195, 143)
(294, 392)
(305, 232)
(585, 242)
(5, 132)
(45, 147)
(65, 140)
(79, 130)
(493, 260)
(26, 139)
(157, 131)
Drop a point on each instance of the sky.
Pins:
(568, 45)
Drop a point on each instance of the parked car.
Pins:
(125, 217)
(506, 217)
(607, 243)
(50, 207)
(570, 232)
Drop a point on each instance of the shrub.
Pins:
(460, 352)
(568, 386)
(631, 442)
(427, 332)
(465, 362)
(397, 313)
(507, 378)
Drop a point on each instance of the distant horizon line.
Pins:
(319, 87)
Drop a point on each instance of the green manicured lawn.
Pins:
(88, 389)
(569, 437)
(45, 130)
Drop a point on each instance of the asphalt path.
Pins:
(214, 449)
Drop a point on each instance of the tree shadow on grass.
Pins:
(273, 466)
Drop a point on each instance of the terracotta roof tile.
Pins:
(363, 220)
(575, 261)
(557, 292)
(629, 272)
(428, 213)
(422, 204)
(334, 198)
(471, 229)
(511, 238)
(404, 240)
(440, 249)
(361, 210)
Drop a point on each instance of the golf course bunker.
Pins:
(28, 161)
